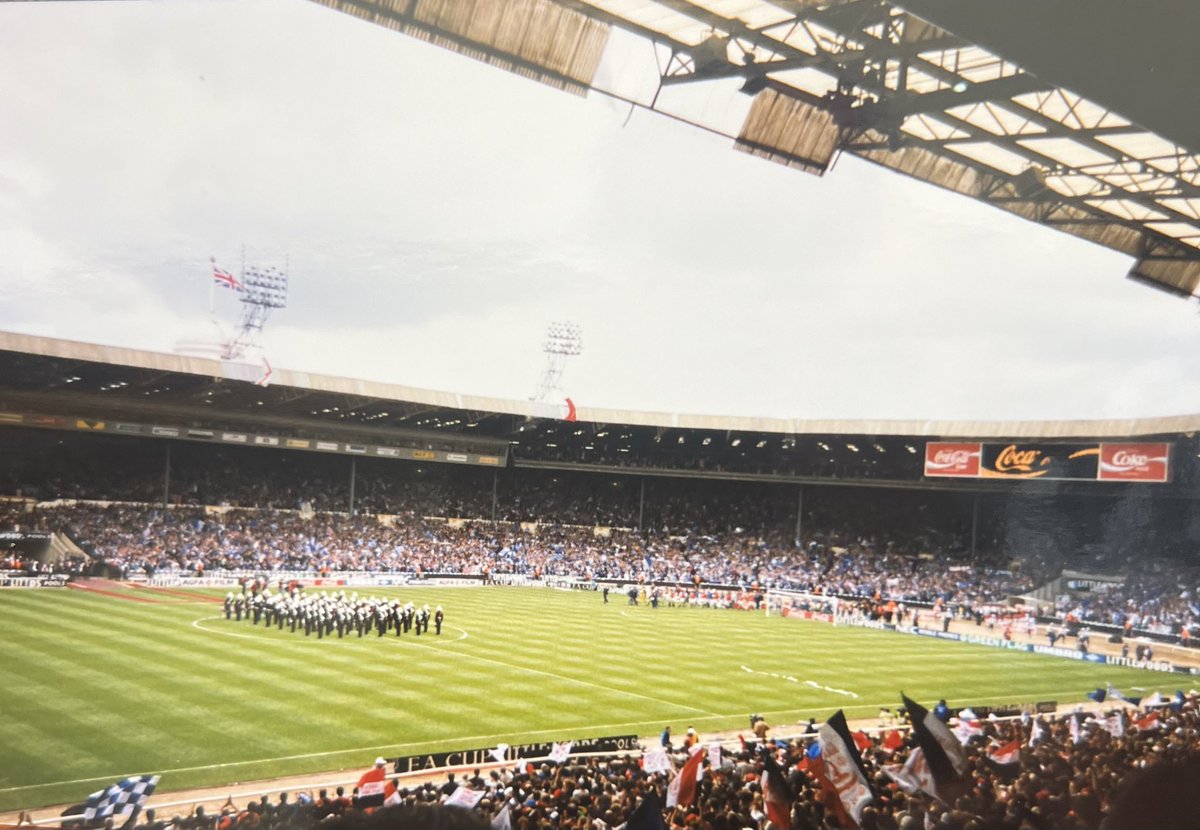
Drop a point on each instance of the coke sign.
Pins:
(954, 460)
(1134, 462)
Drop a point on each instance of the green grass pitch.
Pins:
(97, 687)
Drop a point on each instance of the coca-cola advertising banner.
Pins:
(1076, 462)
(1134, 462)
(953, 460)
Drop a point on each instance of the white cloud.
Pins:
(438, 213)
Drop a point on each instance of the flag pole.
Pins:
(212, 284)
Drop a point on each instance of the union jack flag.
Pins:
(225, 279)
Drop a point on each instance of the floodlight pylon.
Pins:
(262, 291)
(564, 340)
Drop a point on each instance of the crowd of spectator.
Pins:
(836, 558)
(294, 515)
(1122, 769)
(156, 540)
(1157, 596)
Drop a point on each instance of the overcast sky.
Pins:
(437, 213)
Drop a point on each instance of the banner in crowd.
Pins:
(1138, 462)
(480, 757)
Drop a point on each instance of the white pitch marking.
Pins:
(812, 683)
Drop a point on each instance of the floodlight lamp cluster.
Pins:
(563, 338)
(267, 287)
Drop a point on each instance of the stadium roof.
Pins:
(111, 381)
(1080, 115)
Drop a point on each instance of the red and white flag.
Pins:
(560, 752)
(967, 729)
(1147, 723)
(892, 740)
(1005, 754)
(777, 797)
(370, 786)
(914, 776)
(843, 765)
(225, 279)
(681, 791)
(943, 753)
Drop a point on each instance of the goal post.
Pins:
(801, 605)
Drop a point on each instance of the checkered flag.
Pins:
(124, 798)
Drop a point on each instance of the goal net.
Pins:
(801, 605)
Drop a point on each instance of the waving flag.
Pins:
(777, 796)
(914, 776)
(1178, 701)
(682, 790)
(656, 760)
(647, 815)
(892, 740)
(1116, 694)
(1009, 753)
(371, 785)
(1036, 732)
(560, 752)
(225, 279)
(502, 820)
(967, 729)
(123, 799)
(463, 797)
(942, 751)
(1148, 723)
(844, 766)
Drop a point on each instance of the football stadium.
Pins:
(238, 591)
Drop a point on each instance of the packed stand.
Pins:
(1128, 769)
